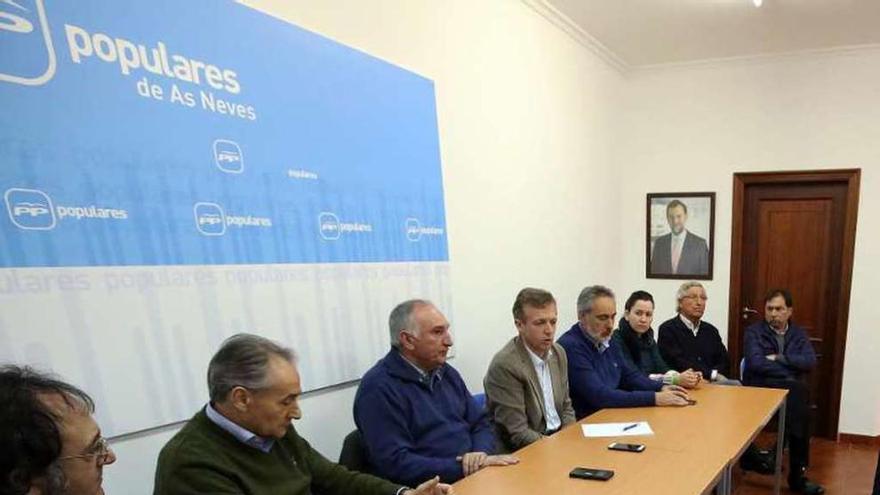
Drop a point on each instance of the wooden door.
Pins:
(796, 231)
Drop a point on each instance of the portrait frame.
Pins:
(696, 253)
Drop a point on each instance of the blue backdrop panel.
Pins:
(206, 133)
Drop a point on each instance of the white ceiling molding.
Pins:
(568, 26)
(796, 28)
(757, 59)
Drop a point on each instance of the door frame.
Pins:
(851, 178)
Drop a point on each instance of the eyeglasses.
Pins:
(101, 452)
(701, 298)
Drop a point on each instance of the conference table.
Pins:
(692, 451)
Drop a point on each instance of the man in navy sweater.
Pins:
(779, 354)
(413, 409)
(598, 375)
(686, 341)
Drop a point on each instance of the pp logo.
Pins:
(26, 53)
(328, 226)
(228, 157)
(30, 209)
(413, 229)
(210, 219)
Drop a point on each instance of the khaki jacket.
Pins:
(514, 396)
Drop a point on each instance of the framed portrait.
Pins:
(680, 235)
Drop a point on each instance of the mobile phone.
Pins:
(627, 447)
(591, 474)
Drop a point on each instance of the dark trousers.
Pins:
(797, 421)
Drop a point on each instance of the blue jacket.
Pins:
(796, 358)
(414, 428)
(599, 380)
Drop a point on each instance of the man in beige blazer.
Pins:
(527, 382)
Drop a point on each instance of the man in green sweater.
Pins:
(243, 442)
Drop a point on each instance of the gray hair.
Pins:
(590, 294)
(401, 319)
(55, 479)
(683, 291)
(242, 361)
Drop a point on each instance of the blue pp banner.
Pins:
(207, 133)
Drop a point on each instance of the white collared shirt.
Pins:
(542, 368)
(696, 328)
(688, 323)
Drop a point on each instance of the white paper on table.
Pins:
(617, 429)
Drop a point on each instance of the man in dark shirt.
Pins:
(688, 342)
(598, 376)
(779, 354)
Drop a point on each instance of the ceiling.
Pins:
(640, 33)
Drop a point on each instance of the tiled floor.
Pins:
(842, 468)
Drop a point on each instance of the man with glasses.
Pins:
(686, 341)
(414, 411)
(49, 442)
(243, 441)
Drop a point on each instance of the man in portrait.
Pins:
(680, 252)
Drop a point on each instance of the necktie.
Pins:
(676, 254)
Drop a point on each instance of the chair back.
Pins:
(480, 399)
(353, 455)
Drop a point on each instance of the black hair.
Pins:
(29, 428)
(638, 295)
(784, 293)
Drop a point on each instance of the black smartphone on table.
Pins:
(627, 447)
(591, 474)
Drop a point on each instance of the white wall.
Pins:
(525, 128)
(690, 129)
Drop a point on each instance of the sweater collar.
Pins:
(398, 366)
(689, 324)
(599, 345)
(773, 331)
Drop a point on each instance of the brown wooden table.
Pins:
(692, 450)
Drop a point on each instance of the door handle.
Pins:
(747, 311)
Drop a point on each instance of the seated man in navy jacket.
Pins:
(686, 341)
(598, 375)
(414, 411)
(779, 354)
